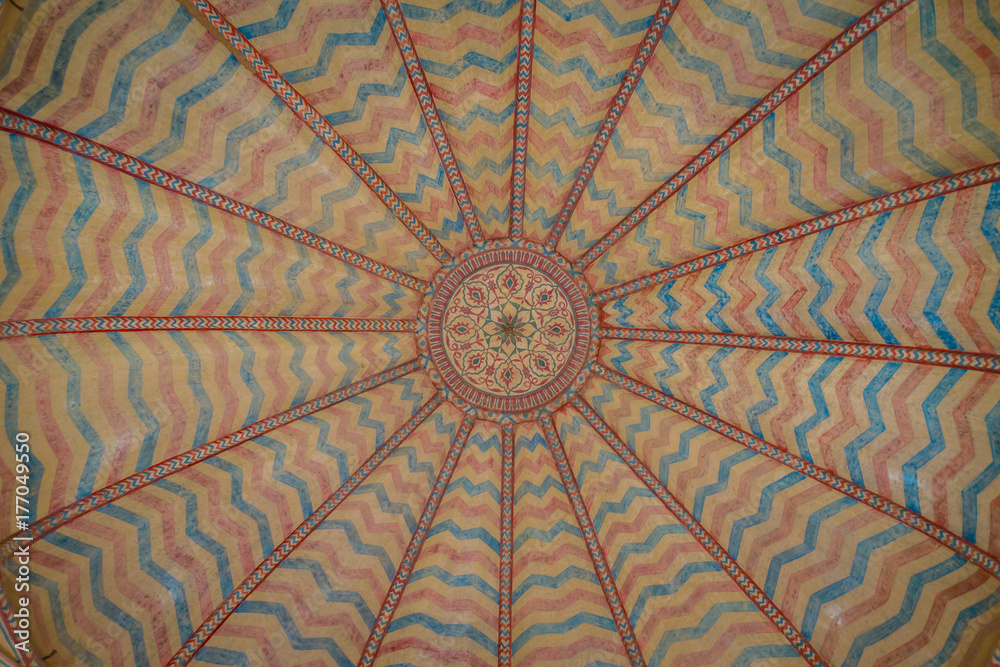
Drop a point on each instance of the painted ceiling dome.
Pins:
(523, 332)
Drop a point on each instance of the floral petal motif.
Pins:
(507, 333)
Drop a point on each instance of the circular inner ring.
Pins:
(508, 329)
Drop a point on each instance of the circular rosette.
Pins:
(508, 328)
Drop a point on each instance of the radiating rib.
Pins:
(184, 460)
(15, 123)
(843, 43)
(398, 585)
(506, 604)
(308, 114)
(618, 103)
(415, 71)
(927, 356)
(232, 601)
(943, 536)
(64, 325)
(973, 177)
(622, 622)
(522, 115)
(698, 532)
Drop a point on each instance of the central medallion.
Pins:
(509, 328)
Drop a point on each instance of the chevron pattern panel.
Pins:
(786, 530)
(139, 398)
(682, 604)
(200, 532)
(343, 59)
(468, 51)
(911, 276)
(448, 613)
(223, 265)
(321, 602)
(559, 612)
(582, 50)
(879, 424)
(206, 118)
(712, 64)
(251, 320)
(845, 137)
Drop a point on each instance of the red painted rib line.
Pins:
(825, 57)
(395, 592)
(522, 114)
(628, 85)
(309, 115)
(597, 555)
(27, 659)
(422, 89)
(995, 657)
(927, 356)
(232, 601)
(739, 576)
(504, 651)
(112, 492)
(943, 536)
(942, 186)
(75, 144)
(63, 325)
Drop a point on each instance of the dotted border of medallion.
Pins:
(555, 393)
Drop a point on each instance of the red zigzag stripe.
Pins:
(698, 532)
(308, 114)
(819, 62)
(15, 123)
(621, 619)
(395, 592)
(108, 494)
(228, 606)
(607, 129)
(936, 188)
(415, 71)
(963, 548)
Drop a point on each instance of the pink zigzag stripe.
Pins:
(622, 622)
(27, 659)
(989, 363)
(395, 592)
(112, 492)
(11, 121)
(840, 45)
(628, 85)
(698, 532)
(936, 188)
(522, 113)
(62, 325)
(313, 119)
(504, 633)
(253, 580)
(943, 536)
(418, 79)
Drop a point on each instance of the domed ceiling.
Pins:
(538, 332)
